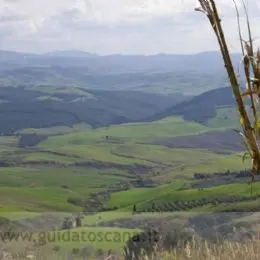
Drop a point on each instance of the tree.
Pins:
(153, 207)
(134, 209)
(251, 69)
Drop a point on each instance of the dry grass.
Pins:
(203, 251)
(193, 251)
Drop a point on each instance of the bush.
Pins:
(100, 253)
(75, 251)
(56, 248)
(143, 242)
(164, 238)
(76, 201)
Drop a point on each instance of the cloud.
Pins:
(126, 26)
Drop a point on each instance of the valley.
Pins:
(126, 157)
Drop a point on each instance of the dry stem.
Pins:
(251, 62)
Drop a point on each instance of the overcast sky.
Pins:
(115, 26)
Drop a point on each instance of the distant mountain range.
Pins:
(117, 63)
(71, 54)
(161, 73)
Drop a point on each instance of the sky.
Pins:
(116, 26)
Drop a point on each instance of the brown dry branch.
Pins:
(251, 65)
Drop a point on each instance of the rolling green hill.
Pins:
(41, 108)
(200, 108)
(77, 163)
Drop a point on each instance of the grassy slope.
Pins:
(56, 130)
(226, 117)
(137, 132)
(170, 193)
(220, 163)
(136, 154)
(47, 189)
(127, 215)
(45, 156)
(140, 195)
(127, 144)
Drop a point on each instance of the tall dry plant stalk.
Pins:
(251, 66)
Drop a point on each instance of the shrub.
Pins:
(75, 251)
(100, 253)
(56, 248)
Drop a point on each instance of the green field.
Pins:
(226, 117)
(56, 130)
(140, 195)
(53, 177)
(47, 189)
(170, 193)
(220, 163)
(137, 132)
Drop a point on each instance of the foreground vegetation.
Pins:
(202, 250)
